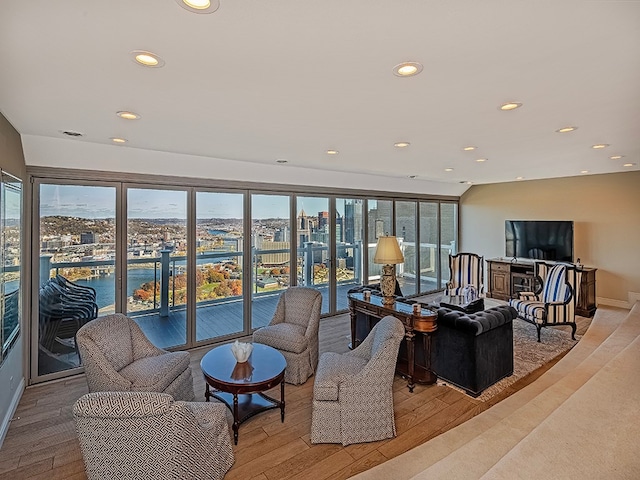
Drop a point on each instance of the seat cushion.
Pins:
(283, 336)
(334, 368)
(156, 373)
(531, 311)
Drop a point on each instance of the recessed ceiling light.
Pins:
(199, 6)
(407, 69)
(71, 133)
(566, 129)
(118, 140)
(519, 178)
(616, 157)
(128, 115)
(510, 106)
(448, 169)
(332, 152)
(584, 171)
(281, 160)
(147, 59)
(401, 144)
(413, 176)
(480, 160)
(600, 145)
(628, 165)
(469, 148)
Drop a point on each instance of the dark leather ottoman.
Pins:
(474, 351)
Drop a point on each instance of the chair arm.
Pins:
(529, 296)
(101, 376)
(210, 416)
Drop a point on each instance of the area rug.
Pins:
(528, 354)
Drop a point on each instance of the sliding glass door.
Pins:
(349, 248)
(270, 254)
(77, 281)
(219, 265)
(157, 269)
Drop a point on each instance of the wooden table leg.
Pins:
(282, 401)
(236, 420)
(411, 354)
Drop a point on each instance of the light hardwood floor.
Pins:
(41, 442)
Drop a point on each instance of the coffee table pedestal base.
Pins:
(245, 405)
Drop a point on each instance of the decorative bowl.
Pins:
(241, 351)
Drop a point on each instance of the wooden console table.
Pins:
(508, 277)
(414, 358)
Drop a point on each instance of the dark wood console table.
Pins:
(508, 277)
(414, 358)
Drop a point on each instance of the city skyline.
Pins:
(99, 202)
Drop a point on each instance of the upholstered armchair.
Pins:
(134, 435)
(352, 392)
(293, 331)
(466, 269)
(117, 356)
(554, 302)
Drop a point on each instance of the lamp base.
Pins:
(388, 284)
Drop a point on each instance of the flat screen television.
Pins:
(539, 239)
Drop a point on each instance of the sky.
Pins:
(99, 202)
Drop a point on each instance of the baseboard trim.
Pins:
(6, 421)
(612, 302)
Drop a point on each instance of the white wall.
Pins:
(606, 214)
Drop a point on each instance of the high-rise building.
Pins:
(323, 219)
(352, 220)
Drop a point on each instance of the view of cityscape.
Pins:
(79, 244)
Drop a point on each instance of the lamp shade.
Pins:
(388, 251)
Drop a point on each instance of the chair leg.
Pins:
(573, 331)
(539, 327)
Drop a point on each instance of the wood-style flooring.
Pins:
(41, 442)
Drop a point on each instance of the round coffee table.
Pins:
(240, 385)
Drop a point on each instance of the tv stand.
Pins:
(509, 276)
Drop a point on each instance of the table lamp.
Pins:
(388, 254)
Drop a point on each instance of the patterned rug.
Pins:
(528, 354)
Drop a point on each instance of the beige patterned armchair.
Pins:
(294, 332)
(117, 356)
(352, 393)
(134, 435)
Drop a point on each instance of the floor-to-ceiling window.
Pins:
(176, 257)
(429, 247)
(407, 272)
(270, 254)
(349, 248)
(77, 282)
(380, 223)
(219, 264)
(157, 263)
(448, 236)
(314, 244)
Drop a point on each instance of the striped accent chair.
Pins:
(466, 269)
(117, 356)
(293, 331)
(134, 435)
(554, 302)
(352, 392)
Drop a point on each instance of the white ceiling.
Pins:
(263, 80)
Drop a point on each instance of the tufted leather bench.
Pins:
(474, 351)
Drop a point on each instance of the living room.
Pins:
(602, 204)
